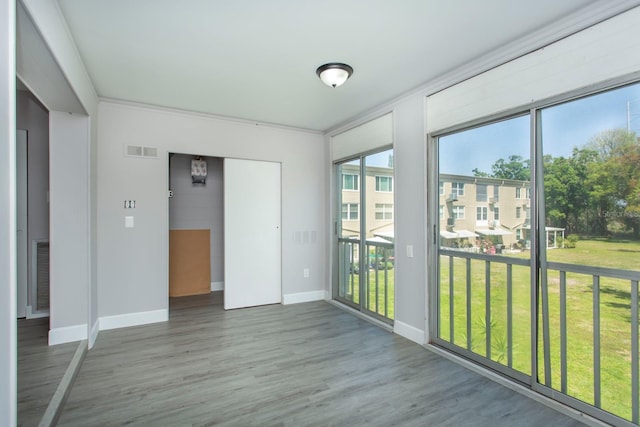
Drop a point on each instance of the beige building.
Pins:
(378, 198)
(483, 212)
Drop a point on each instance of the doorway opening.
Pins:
(196, 225)
(32, 169)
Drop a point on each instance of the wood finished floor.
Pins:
(307, 364)
(40, 369)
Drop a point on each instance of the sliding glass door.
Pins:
(538, 249)
(365, 234)
(484, 291)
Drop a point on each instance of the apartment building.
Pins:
(477, 210)
(379, 209)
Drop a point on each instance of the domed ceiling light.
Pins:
(334, 73)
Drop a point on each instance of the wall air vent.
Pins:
(140, 151)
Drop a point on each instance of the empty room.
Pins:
(298, 213)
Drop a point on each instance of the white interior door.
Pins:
(252, 237)
(21, 221)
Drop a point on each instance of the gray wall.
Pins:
(34, 118)
(132, 262)
(8, 363)
(56, 75)
(198, 206)
(410, 225)
(69, 241)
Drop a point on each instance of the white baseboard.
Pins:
(133, 319)
(67, 334)
(409, 332)
(303, 297)
(95, 329)
(217, 286)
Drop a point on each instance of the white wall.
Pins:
(199, 206)
(69, 240)
(133, 262)
(31, 116)
(8, 344)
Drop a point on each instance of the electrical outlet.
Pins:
(305, 273)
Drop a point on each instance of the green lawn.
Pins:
(615, 327)
(371, 292)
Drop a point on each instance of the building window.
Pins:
(522, 192)
(441, 188)
(384, 211)
(441, 211)
(458, 212)
(482, 213)
(457, 188)
(518, 212)
(481, 192)
(350, 182)
(496, 193)
(496, 214)
(384, 183)
(350, 211)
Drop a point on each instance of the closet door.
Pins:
(252, 248)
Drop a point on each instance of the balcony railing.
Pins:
(376, 271)
(587, 327)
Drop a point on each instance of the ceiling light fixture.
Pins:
(334, 73)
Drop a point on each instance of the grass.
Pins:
(351, 292)
(615, 315)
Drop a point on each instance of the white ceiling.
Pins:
(256, 59)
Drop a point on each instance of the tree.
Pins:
(613, 178)
(515, 168)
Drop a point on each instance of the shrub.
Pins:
(571, 241)
(355, 268)
(385, 265)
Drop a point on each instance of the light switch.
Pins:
(128, 222)
(409, 251)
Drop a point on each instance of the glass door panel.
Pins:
(590, 264)
(484, 289)
(348, 230)
(365, 231)
(379, 279)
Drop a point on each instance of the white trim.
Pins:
(36, 314)
(217, 286)
(512, 385)
(68, 334)
(191, 113)
(133, 319)
(409, 332)
(304, 297)
(93, 336)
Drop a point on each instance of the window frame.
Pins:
(385, 210)
(536, 212)
(349, 211)
(379, 179)
(457, 188)
(356, 180)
